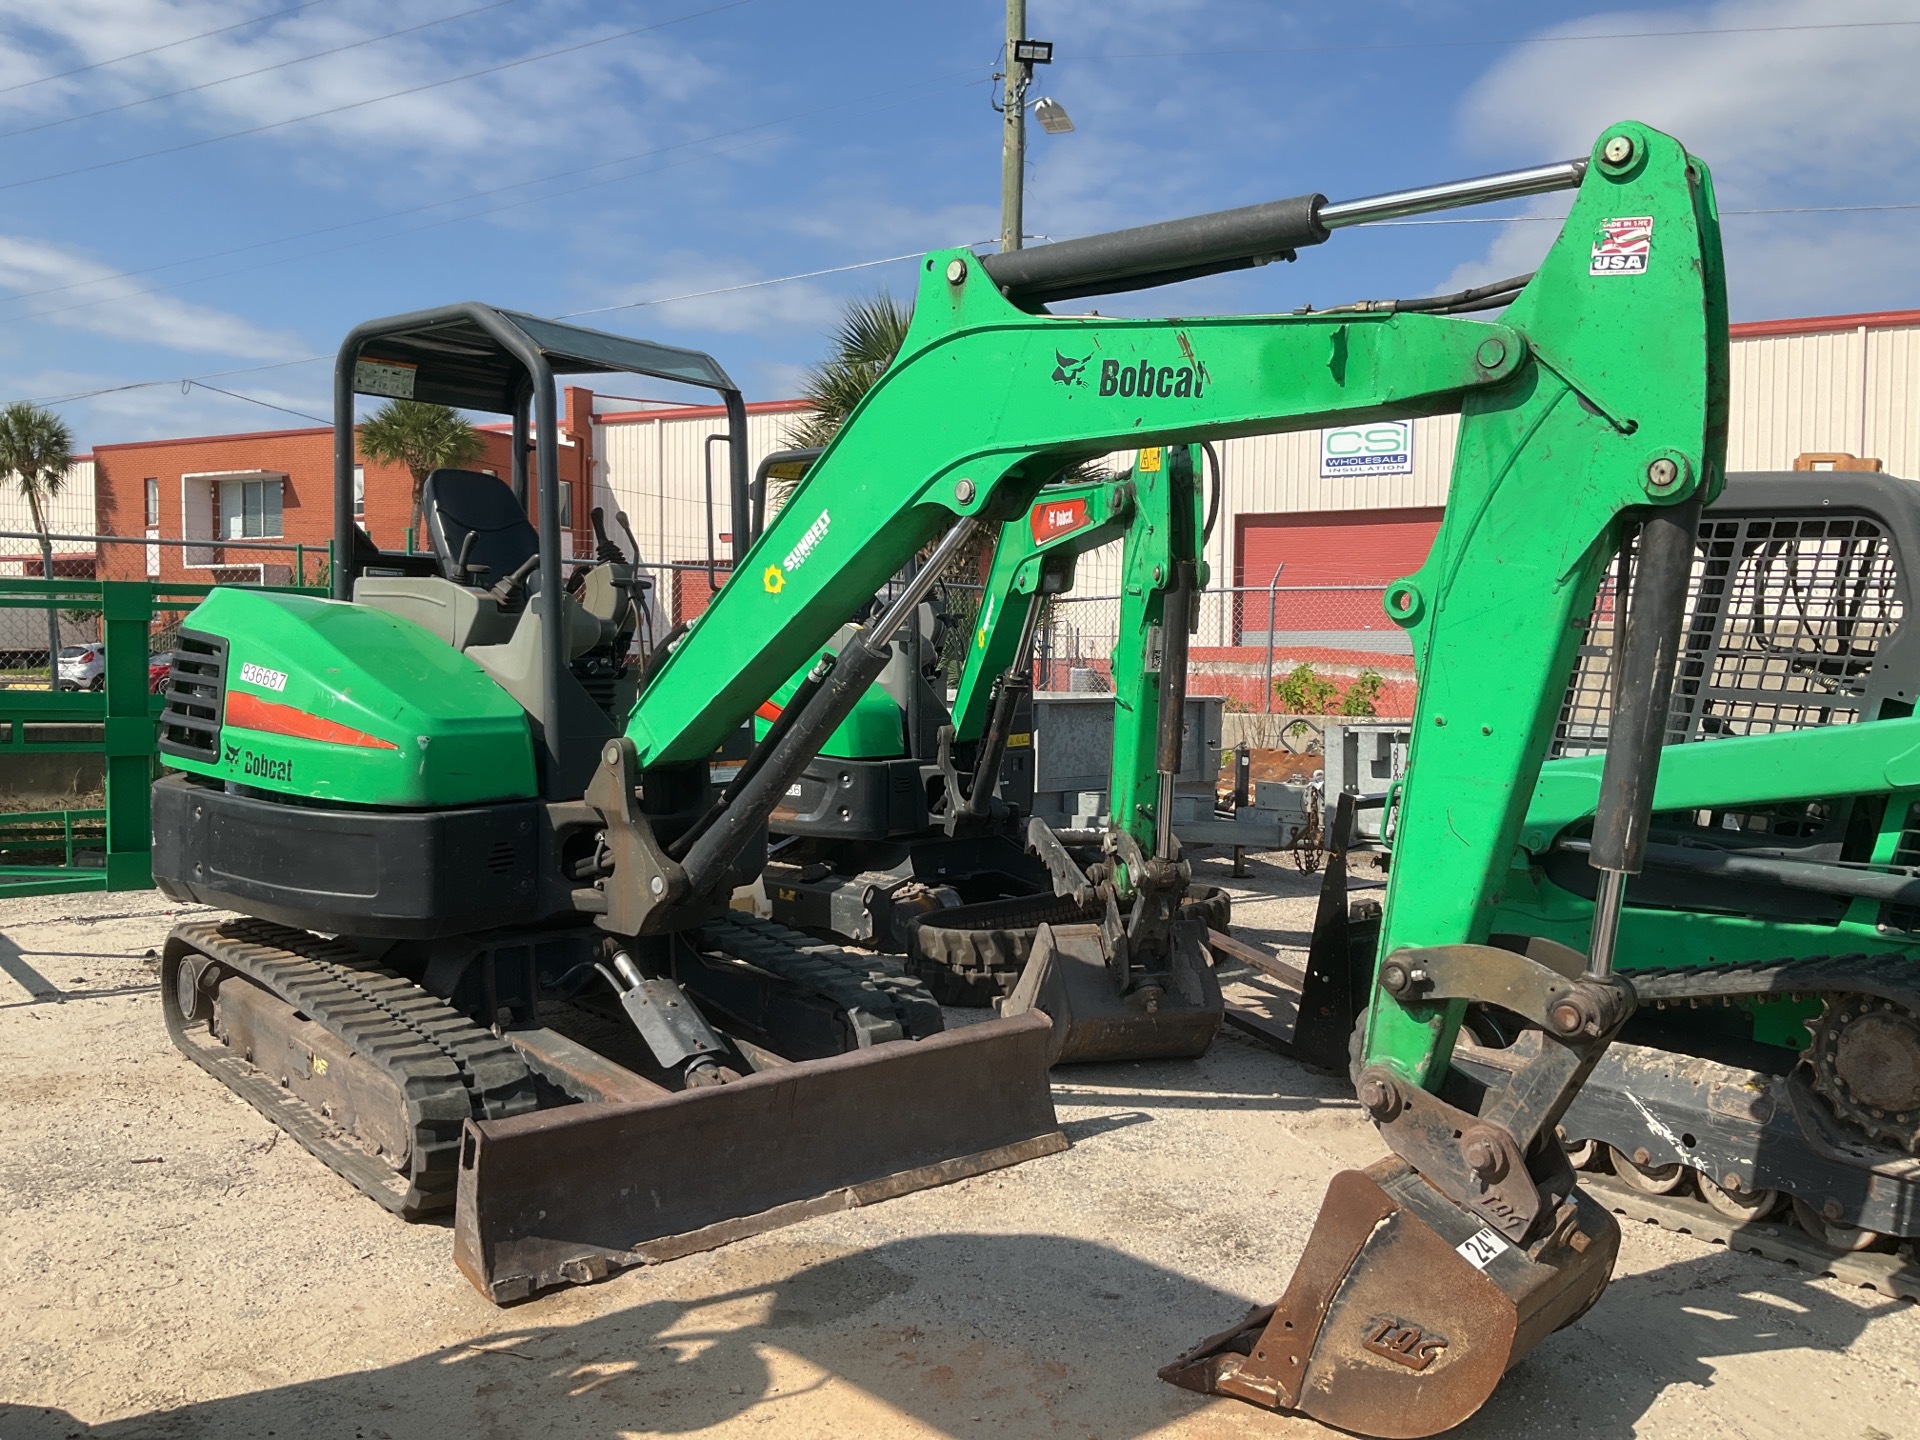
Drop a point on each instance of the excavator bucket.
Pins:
(564, 1196)
(1405, 1309)
(1067, 977)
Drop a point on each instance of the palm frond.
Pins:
(36, 450)
(868, 337)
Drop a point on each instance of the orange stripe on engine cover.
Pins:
(250, 712)
(768, 711)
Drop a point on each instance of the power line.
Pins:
(171, 44)
(751, 284)
(569, 315)
(864, 100)
(375, 99)
(186, 385)
(1514, 40)
(814, 274)
(124, 295)
(249, 74)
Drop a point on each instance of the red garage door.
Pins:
(1332, 567)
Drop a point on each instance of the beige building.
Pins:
(71, 512)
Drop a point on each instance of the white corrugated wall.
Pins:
(670, 519)
(71, 512)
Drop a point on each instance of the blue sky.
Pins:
(721, 144)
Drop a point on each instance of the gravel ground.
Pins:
(171, 1267)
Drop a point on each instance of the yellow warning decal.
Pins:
(1150, 458)
(1021, 741)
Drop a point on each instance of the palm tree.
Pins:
(421, 436)
(36, 449)
(869, 336)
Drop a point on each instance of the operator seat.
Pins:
(459, 503)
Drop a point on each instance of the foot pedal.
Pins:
(1405, 1310)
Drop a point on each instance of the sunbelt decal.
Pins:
(815, 533)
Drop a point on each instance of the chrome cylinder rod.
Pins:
(1607, 900)
(923, 580)
(1453, 194)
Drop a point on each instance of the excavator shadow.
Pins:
(1017, 1334)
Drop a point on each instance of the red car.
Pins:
(158, 668)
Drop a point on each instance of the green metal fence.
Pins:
(107, 846)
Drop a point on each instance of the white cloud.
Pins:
(1782, 117)
(110, 303)
(796, 304)
(1763, 107)
(516, 114)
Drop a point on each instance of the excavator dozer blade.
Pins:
(565, 1196)
(1405, 1309)
(1066, 976)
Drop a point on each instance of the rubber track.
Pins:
(971, 954)
(1887, 977)
(850, 979)
(449, 1069)
(1889, 1274)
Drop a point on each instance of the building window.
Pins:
(153, 501)
(249, 509)
(566, 504)
(359, 492)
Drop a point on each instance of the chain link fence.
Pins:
(1283, 651)
(74, 631)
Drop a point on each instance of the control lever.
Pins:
(621, 516)
(469, 574)
(511, 593)
(604, 550)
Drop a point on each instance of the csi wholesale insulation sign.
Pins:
(1383, 448)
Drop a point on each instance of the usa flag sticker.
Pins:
(1622, 246)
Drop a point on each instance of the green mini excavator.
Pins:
(447, 806)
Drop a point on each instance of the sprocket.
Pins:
(1865, 1057)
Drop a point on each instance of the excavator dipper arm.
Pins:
(1429, 1274)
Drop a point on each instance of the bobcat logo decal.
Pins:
(233, 753)
(1067, 370)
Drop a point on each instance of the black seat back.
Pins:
(459, 503)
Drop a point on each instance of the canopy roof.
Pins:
(477, 357)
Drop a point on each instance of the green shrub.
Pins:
(1304, 693)
(1363, 696)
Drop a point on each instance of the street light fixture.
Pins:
(1052, 116)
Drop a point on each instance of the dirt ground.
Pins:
(169, 1267)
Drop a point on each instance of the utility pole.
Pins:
(1013, 150)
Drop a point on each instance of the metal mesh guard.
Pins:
(1785, 617)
